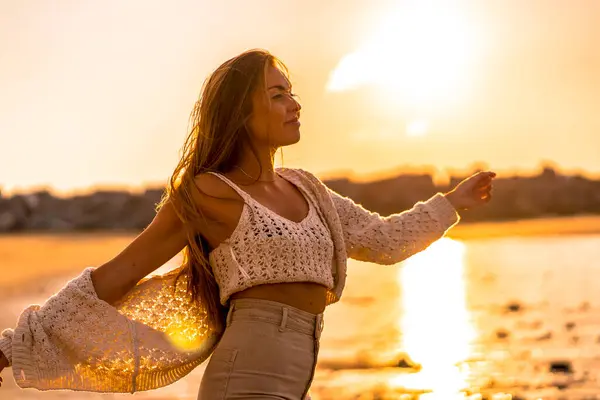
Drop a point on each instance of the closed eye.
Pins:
(280, 95)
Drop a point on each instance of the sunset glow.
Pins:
(436, 325)
(421, 53)
(97, 95)
(418, 127)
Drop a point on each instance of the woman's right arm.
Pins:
(164, 238)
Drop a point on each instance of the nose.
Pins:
(296, 105)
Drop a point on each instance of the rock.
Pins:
(7, 221)
(153, 196)
(575, 339)
(59, 225)
(32, 200)
(136, 213)
(546, 336)
(48, 214)
(407, 363)
(569, 326)
(502, 334)
(19, 209)
(547, 194)
(564, 367)
(561, 385)
(514, 307)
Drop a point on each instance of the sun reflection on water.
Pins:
(435, 324)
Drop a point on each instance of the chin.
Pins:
(296, 139)
(290, 138)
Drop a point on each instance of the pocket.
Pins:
(216, 376)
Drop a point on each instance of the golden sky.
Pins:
(99, 93)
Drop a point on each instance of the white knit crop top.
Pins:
(268, 248)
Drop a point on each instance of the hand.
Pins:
(472, 192)
(3, 364)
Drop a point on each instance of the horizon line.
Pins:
(326, 176)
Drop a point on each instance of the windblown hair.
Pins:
(219, 134)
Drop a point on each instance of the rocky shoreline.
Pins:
(546, 195)
(102, 210)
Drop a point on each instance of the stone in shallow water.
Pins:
(407, 363)
(514, 307)
(502, 334)
(564, 367)
(569, 325)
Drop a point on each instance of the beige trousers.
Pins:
(268, 351)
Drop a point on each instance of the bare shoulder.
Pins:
(214, 196)
(220, 204)
(212, 186)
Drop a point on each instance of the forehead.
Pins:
(275, 77)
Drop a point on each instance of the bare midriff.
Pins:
(306, 296)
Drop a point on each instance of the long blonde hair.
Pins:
(218, 135)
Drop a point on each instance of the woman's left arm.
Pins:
(389, 240)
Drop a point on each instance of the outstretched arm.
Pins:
(389, 240)
(163, 239)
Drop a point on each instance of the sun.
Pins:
(420, 54)
(417, 127)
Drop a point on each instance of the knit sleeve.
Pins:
(389, 240)
(76, 341)
(6, 344)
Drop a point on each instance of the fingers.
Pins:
(484, 192)
(478, 188)
(484, 180)
(484, 174)
(487, 177)
(482, 188)
(487, 195)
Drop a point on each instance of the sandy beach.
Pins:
(493, 308)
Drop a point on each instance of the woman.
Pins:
(265, 252)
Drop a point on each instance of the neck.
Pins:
(250, 168)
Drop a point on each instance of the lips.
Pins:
(293, 121)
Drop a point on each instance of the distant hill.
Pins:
(548, 194)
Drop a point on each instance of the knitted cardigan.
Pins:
(154, 336)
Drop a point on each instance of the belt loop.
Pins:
(230, 314)
(283, 319)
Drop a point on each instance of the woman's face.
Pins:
(275, 114)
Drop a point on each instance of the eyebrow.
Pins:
(280, 87)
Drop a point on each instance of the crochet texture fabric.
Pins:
(268, 248)
(154, 336)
